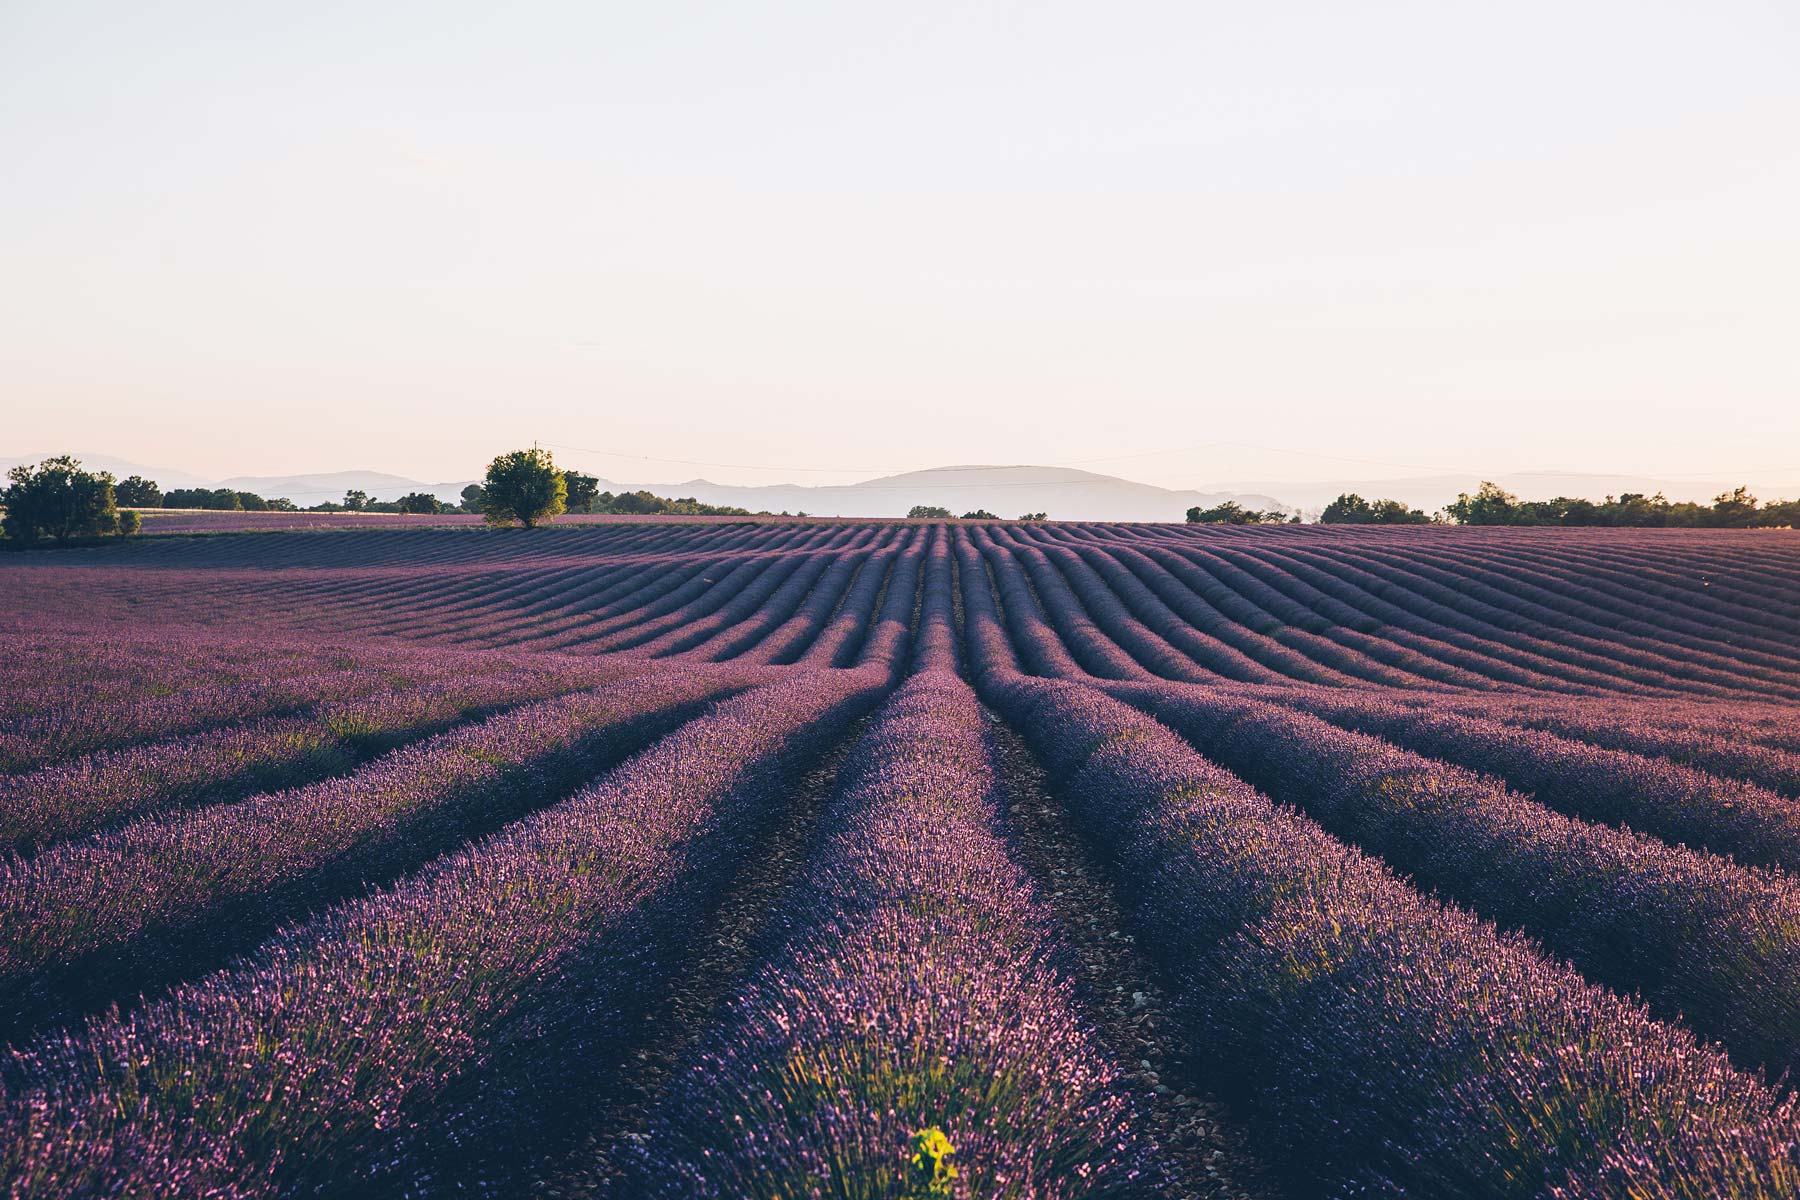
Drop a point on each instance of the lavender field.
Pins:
(792, 859)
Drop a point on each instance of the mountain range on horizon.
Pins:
(1062, 492)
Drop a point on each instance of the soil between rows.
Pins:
(742, 933)
(1204, 1149)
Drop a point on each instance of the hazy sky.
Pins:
(254, 238)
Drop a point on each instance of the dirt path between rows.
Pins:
(741, 935)
(1205, 1149)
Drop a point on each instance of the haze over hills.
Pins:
(1063, 492)
(1007, 490)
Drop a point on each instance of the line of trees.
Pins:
(1736, 509)
(936, 512)
(1233, 513)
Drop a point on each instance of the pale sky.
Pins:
(257, 238)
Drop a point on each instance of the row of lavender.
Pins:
(918, 1034)
(1392, 1039)
(357, 1052)
(1450, 611)
(1384, 1039)
(98, 790)
(97, 919)
(1702, 937)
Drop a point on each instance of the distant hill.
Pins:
(1062, 492)
(331, 485)
(166, 477)
(1010, 491)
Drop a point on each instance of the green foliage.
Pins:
(139, 492)
(283, 504)
(642, 503)
(583, 491)
(1733, 510)
(57, 499)
(980, 514)
(472, 497)
(1036, 516)
(1736, 509)
(1780, 514)
(129, 522)
(929, 512)
(524, 487)
(1233, 513)
(214, 499)
(356, 500)
(1490, 505)
(1352, 509)
(251, 502)
(418, 502)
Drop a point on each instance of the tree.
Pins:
(1233, 513)
(928, 512)
(980, 514)
(355, 500)
(251, 502)
(1394, 512)
(523, 486)
(1780, 514)
(1037, 516)
(418, 502)
(1348, 509)
(583, 491)
(1352, 509)
(215, 499)
(1733, 510)
(129, 522)
(471, 498)
(139, 492)
(1490, 505)
(283, 504)
(58, 499)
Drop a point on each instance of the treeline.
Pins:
(1737, 509)
(1494, 505)
(936, 512)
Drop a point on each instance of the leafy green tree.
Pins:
(471, 498)
(251, 502)
(418, 502)
(138, 492)
(1348, 509)
(283, 504)
(1733, 510)
(1490, 505)
(929, 512)
(355, 500)
(525, 487)
(1394, 512)
(1037, 516)
(129, 522)
(213, 499)
(980, 514)
(57, 499)
(1233, 513)
(583, 491)
(1780, 514)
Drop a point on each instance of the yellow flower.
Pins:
(930, 1160)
